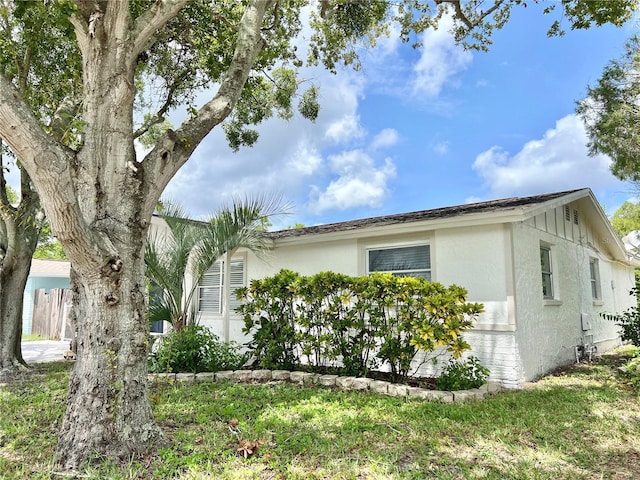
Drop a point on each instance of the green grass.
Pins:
(32, 337)
(583, 423)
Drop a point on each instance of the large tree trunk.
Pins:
(99, 200)
(108, 411)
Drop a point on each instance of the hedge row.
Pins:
(360, 323)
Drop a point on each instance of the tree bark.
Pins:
(14, 271)
(99, 201)
(19, 232)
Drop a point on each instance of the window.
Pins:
(547, 273)
(567, 213)
(211, 289)
(594, 272)
(414, 261)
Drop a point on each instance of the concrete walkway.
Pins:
(44, 350)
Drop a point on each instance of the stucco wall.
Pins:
(548, 331)
(477, 258)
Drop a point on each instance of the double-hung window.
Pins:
(409, 261)
(547, 272)
(594, 273)
(212, 289)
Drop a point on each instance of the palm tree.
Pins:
(191, 247)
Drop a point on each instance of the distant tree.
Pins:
(611, 113)
(295, 225)
(626, 219)
(48, 247)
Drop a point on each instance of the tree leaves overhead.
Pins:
(611, 113)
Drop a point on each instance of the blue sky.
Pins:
(425, 128)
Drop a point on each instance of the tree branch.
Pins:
(147, 24)
(174, 149)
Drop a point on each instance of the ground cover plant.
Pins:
(580, 423)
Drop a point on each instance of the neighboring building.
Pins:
(544, 267)
(44, 274)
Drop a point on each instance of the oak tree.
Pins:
(99, 194)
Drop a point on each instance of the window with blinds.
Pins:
(413, 261)
(211, 288)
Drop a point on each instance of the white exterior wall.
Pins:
(548, 331)
(476, 258)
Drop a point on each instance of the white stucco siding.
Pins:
(478, 259)
(498, 351)
(548, 330)
(307, 259)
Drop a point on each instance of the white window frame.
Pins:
(547, 276)
(594, 276)
(222, 293)
(401, 272)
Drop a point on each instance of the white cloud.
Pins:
(440, 62)
(345, 129)
(360, 183)
(558, 161)
(441, 148)
(386, 138)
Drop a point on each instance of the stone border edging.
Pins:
(344, 383)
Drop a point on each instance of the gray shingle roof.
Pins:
(421, 215)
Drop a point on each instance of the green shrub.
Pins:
(632, 371)
(629, 321)
(270, 318)
(356, 322)
(195, 348)
(462, 375)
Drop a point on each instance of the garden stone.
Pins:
(345, 382)
(395, 390)
(463, 395)
(379, 386)
(327, 380)
(261, 375)
(493, 387)
(185, 377)
(166, 376)
(242, 375)
(224, 375)
(280, 374)
(361, 383)
(205, 377)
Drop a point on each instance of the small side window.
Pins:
(594, 272)
(547, 272)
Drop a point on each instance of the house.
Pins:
(44, 274)
(544, 267)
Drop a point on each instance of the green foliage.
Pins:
(50, 251)
(270, 315)
(611, 114)
(632, 371)
(626, 219)
(459, 375)
(195, 349)
(629, 321)
(359, 323)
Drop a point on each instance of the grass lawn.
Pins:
(583, 423)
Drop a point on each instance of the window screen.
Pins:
(414, 261)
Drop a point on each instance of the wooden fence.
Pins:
(51, 313)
